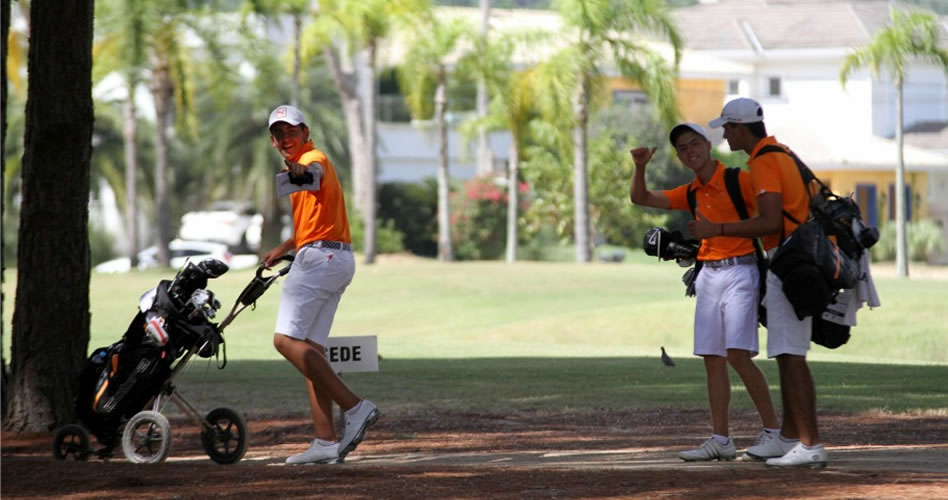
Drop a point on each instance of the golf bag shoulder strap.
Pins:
(692, 202)
(806, 175)
(733, 184)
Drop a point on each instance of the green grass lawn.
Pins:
(490, 336)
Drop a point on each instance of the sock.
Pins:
(811, 447)
(785, 440)
(721, 439)
(352, 411)
(323, 442)
(770, 430)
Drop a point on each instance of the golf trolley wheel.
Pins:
(225, 441)
(147, 438)
(71, 443)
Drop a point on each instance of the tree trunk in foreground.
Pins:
(51, 311)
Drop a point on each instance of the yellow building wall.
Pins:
(699, 100)
(844, 182)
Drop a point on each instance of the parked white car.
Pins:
(181, 251)
(234, 223)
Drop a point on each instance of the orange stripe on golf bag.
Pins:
(105, 385)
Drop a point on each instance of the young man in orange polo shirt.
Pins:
(781, 199)
(323, 268)
(727, 287)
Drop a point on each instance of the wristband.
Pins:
(722, 229)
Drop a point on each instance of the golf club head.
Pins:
(213, 268)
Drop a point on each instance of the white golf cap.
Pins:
(685, 127)
(740, 110)
(288, 114)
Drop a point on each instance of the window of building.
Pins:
(868, 205)
(734, 87)
(773, 86)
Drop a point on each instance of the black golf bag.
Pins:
(118, 381)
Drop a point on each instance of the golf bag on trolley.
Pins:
(119, 380)
(122, 387)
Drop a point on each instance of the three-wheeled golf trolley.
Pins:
(122, 387)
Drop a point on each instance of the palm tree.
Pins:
(511, 108)
(517, 108)
(425, 68)
(348, 33)
(235, 139)
(169, 81)
(167, 27)
(122, 49)
(485, 158)
(296, 9)
(601, 32)
(909, 35)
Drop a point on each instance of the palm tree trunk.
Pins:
(297, 23)
(512, 202)
(485, 160)
(580, 181)
(129, 135)
(445, 246)
(271, 232)
(352, 110)
(901, 242)
(369, 173)
(347, 86)
(161, 94)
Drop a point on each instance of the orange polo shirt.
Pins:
(778, 173)
(715, 204)
(319, 215)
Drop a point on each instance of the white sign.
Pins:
(353, 354)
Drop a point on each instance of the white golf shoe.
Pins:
(710, 450)
(801, 456)
(769, 445)
(365, 414)
(317, 453)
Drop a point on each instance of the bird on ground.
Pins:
(666, 359)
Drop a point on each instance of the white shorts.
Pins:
(311, 292)
(785, 333)
(726, 309)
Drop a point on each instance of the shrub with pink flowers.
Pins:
(479, 218)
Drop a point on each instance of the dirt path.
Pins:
(449, 455)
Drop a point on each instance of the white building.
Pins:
(792, 53)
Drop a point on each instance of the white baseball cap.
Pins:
(288, 114)
(677, 130)
(740, 110)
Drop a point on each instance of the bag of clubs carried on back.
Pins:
(122, 387)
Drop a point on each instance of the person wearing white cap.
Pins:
(322, 269)
(783, 203)
(727, 285)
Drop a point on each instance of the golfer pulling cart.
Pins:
(127, 382)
